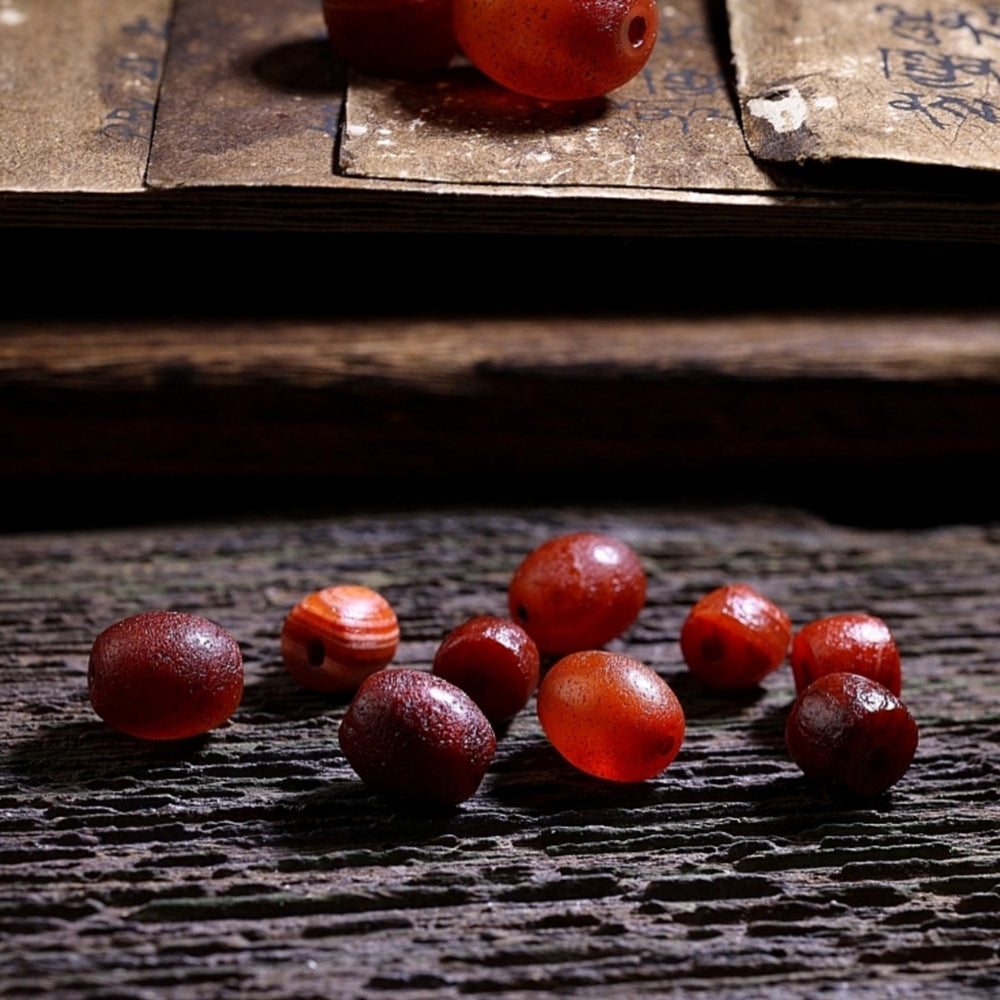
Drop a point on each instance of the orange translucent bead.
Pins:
(734, 637)
(577, 591)
(494, 661)
(165, 675)
(856, 643)
(558, 50)
(610, 715)
(334, 638)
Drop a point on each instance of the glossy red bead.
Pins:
(734, 637)
(557, 50)
(391, 37)
(413, 734)
(335, 637)
(577, 591)
(856, 643)
(610, 715)
(848, 730)
(494, 661)
(165, 675)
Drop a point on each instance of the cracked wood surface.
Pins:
(253, 862)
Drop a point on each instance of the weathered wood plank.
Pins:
(253, 862)
(853, 409)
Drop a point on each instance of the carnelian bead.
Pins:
(411, 733)
(610, 715)
(855, 643)
(494, 661)
(391, 37)
(849, 730)
(165, 675)
(334, 638)
(734, 637)
(577, 591)
(557, 50)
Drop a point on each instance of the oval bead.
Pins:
(577, 591)
(165, 675)
(610, 715)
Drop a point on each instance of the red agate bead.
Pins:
(391, 37)
(610, 715)
(557, 50)
(411, 733)
(577, 591)
(851, 731)
(165, 675)
(855, 643)
(335, 637)
(494, 661)
(734, 637)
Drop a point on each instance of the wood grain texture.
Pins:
(254, 863)
(832, 406)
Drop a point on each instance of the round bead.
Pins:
(165, 675)
(494, 661)
(610, 715)
(851, 731)
(334, 638)
(577, 591)
(734, 637)
(411, 733)
(855, 643)
(396, 37)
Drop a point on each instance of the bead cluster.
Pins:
(432, 734)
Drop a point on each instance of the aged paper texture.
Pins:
(915, 81)
(251, 96)
(78, 82)
(673, 126)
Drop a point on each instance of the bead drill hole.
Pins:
(636, 32)
(315, 652)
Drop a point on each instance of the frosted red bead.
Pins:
(848, 730)
(165, 675)
(494, 661)
(610, 715)
(411, 733)
(734, 637)
(854, 642)
(577, 591)
(335, 637)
